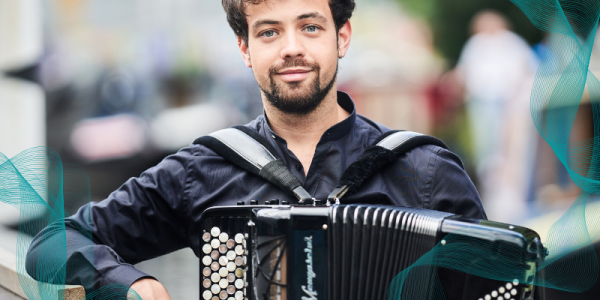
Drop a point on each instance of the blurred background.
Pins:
(116, 85)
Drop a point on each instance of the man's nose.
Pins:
(293, 47)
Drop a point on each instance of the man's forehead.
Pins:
(284, 10)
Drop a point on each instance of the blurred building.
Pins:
(390, 65)
(22, 103)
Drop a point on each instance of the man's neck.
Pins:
(303, 133)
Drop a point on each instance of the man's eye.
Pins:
(268, 34)
(311, 29)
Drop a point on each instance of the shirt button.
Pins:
(273, 136)
(298, 167)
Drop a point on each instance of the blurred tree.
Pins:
(450, 20)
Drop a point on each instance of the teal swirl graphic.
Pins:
(43, 189)
(561, 82)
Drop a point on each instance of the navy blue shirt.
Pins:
(158, 212)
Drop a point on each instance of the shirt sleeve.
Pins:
(451, 189)
(141, 220)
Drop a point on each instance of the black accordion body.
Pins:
(318, 251)
(350, 252)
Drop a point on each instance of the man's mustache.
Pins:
(291, 64)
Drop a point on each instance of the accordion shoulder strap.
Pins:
(248, 150)
(385, 150)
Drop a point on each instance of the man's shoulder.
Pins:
(418, 153)
(365, 123)
(431, 157)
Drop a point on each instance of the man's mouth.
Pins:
(292, 75)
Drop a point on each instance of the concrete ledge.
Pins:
(9, 280)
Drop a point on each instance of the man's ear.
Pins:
(245, 51)
(344, 36)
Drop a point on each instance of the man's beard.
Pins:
(302, 104)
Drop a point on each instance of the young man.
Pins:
(293, 47)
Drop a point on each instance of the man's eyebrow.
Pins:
(314, 15)
(264, 22)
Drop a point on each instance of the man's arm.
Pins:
(141, 220)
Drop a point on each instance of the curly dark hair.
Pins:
(236, 14)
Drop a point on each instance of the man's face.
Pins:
(293, 52)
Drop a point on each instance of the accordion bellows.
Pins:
(361, 252)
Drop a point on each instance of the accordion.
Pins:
(317, 251)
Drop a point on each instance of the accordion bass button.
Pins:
(230, 266)
(223, 237)
(230, 290)
(223, 272)
(239, 284)
(487, 297)
(239, 295)
(239, 261)
(223, 261)
(239, 250)
(223, 283)
(239, 273)
(230, 244)
(206, 237)
(206, 295)
(215, 266)
(215, 277)
(223, 249)
(239, 238)
(215, 231)
(206, 283)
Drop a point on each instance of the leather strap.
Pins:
(252, 154)
(386, 150)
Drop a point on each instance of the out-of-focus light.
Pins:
(109, 137)
(179, 127)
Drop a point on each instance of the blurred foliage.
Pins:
(450, 21)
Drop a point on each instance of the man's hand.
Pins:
(150, 289)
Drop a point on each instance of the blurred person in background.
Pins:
(497, 68)
(293, 48)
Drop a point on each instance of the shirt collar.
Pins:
(336, 131)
